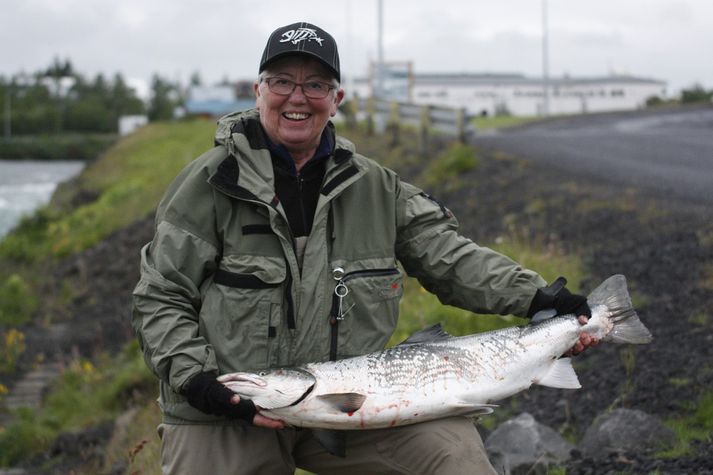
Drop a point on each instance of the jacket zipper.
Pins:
(303, 215)
(222, 181)
(334, 318)
(291, 324)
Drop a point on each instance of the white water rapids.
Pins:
(26, 185)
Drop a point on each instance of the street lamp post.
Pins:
(545, 64)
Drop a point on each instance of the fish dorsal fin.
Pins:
(430, 334)
(344, 402)
(560, 375)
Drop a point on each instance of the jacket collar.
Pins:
(284, 160)
(246, 173)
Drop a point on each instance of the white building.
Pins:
(515, 94)
(131, 123)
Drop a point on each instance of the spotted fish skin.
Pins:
(433, 375)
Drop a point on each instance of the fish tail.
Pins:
(626, 327)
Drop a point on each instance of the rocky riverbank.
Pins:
(665, 249)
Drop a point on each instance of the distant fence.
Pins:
(391, 116)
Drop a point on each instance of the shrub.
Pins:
(13, 346)
(56, 147)
(696, 94)
(443, 172)
(17, 302)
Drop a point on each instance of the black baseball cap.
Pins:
(302, 38)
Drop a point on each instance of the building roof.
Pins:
(515, 79)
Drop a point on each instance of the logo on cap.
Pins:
(301, 34)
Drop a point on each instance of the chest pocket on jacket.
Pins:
(242, 311)
(371, 308)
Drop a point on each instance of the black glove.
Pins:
(205, 393)
(562, 300)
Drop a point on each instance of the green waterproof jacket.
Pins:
(221, 289)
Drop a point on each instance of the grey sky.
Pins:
(661, 39)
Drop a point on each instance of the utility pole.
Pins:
(380, 50)
(545, 65)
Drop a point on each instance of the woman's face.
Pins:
(296, 121)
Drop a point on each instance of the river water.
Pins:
(26, 185)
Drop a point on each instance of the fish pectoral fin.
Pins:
(474, 408)
(483, 409)
(333, 441)
(560, 375)
(344, 402)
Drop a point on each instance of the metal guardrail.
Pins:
(384, 114)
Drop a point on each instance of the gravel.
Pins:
(664, 247)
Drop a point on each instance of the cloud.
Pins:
(659, 38)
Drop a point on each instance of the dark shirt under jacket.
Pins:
(299, 191)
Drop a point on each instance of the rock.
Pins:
(82, 445)
(625, 430)
(522, 445)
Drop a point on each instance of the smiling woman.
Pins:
(296, 116)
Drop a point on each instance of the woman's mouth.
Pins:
(295, 115)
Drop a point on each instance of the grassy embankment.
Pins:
(500, 121)
(128, 181)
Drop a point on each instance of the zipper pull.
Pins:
(341, 291)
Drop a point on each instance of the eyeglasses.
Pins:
(311, 89)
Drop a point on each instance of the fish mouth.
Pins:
(250, 378)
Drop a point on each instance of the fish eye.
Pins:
(262, 373)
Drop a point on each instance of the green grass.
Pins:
(420, 308)
(84, 396)
(501, 121)
(17, 301)
(444, 172)
(696, 425)
(136, 442)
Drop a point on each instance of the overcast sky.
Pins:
(661, 39)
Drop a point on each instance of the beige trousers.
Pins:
(447, 446)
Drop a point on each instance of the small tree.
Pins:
(196, 79)
(696, 94)
(164, 98)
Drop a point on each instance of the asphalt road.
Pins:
(666, 151)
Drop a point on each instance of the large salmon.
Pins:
(433, 375)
